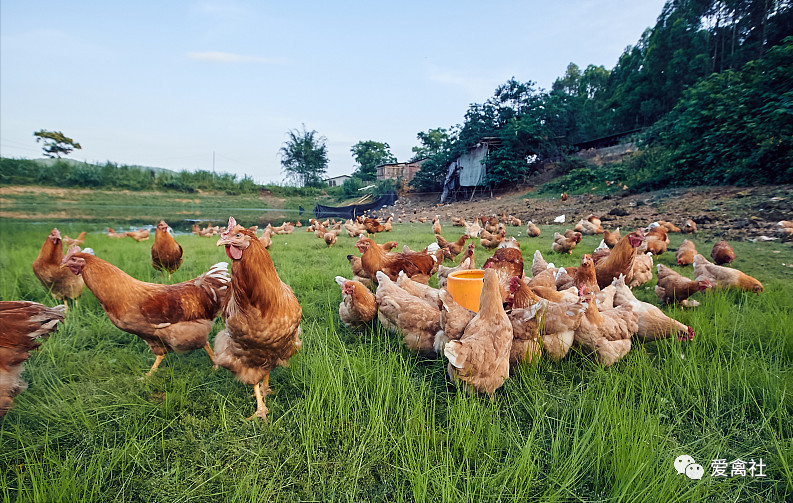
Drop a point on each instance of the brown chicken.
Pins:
(388, 245)
(722, 253)
(690, 227)
(532, 230)
(47, 267)
(480, 358)
(267, 237)
(656, 240)
(79, 240)
(436, 225)
(724, 277)
(139, 235)
(373, 225)
(374, 259)
(113, 234)
(454, 319)
(415, 319)
(494, 240)
(619, 259)
(261, 313)
(669, 226)
(419, 289)
(685, 253)
(653, 324)
(673, 287)
(166, 253)
(22, 327)
(330, 237)
(563, 197)
(545, 325)
(606, 334)
(452, 249)
(642, 270)
(358, 305)
(507, 261)
(565, 244)
(585, 275)
(611, 238)
(167, 317)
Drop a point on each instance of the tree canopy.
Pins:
(369, 154)
(55, 143)
(304, 157)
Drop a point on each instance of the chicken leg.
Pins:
(157, 362)
(261, 390)
(208, 349)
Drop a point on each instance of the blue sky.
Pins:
(166, 84)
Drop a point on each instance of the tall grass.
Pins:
(356, 417)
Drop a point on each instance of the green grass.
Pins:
(358, 418)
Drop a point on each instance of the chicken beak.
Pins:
(223, 242)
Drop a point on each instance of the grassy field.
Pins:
(358, 418)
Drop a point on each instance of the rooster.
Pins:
(166, 253)
(262, 315)
(22, 324)
(47, 267)
(167, 317)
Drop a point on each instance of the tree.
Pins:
(55, 143)
(304, 157)
(369, 154)
(432, 142)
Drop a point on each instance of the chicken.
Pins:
(480, 358)
(436, 225)
(166, 253)
(167, 317)
(452, 249)
(374, 259)
(784, 229)
(373, 225)
(589, 227)
(22, 325)
(690, 227)
(494, 241)
(619, 259)
(358, 305)
(611, 238)
(653, 324)
(389, 223)
(507, 261)
(261, 313)
(354, 229)
(606, 334)
(724, 277)
(656, 240)
(267, 237)
(458, 222)
(520, 294)
(669, 226)
(79, 240)
(642, 270)
(454, 319)
(418, 289)
(526, 343)
(514, 221)
(538, 263)
(139, 235)
(685, 253)
(388, 245)
(113, 234)
(585, 275)
(47, 267)
(443, 271)
(358, 274)
(555, 325)
(565, 244)
(473, 229)
(330, 238)
(563, 197)
(532, 230)
(673, 287)
(400, 312)
(722, 253)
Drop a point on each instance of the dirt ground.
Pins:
(733, 213)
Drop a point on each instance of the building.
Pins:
(336, 181)
(399, 170)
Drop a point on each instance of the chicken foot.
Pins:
(157, 362)
(261, 390)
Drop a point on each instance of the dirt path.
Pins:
(727, 212)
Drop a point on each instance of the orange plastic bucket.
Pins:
(466, 287)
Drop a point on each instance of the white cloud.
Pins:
(228, 57)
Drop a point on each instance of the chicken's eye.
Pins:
(238, 235)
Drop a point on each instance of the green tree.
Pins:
(369, 154)
(55, 143)
(432, 142)
(304, 157)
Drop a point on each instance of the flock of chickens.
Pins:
(521, 317)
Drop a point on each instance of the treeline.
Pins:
(66, 173)
(709, 88)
